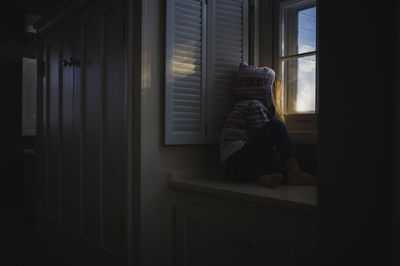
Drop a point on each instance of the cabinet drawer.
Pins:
(206, 236)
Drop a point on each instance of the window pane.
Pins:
(298, 77)
(298, 29)
(306, 30)
(306, 84)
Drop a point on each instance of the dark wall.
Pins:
(356, 132)
(13, 48)
(15, 43)
(396, 210)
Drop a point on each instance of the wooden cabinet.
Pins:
(82, 131)
(212, 228)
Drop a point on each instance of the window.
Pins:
(297, 56)
(205, 43)
(289, 43)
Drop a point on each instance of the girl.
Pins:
(255, 143)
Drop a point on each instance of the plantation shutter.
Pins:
(185, 99)
(227, 46)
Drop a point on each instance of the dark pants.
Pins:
(258, 156)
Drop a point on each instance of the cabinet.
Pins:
(213, 228)
(82, 132)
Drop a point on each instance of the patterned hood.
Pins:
(254, 83)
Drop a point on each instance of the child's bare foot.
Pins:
(301, 178)
(271, 180)
(296, 176)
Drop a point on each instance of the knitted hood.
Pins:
(254, 83)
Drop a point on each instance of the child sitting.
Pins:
(255, 143)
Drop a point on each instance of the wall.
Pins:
(156, 159)
(356, 132)
(396, 188)
(17, 168)
(14, 45)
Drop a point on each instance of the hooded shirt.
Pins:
(253, 94)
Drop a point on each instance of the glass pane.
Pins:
(298, 29)
(306, 30)
(298, 78)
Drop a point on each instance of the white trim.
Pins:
(295, 56)
(169, 70)
(245, 17)
(255, 36)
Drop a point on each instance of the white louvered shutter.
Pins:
(227, 46)
(185, 97)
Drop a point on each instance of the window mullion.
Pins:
(296, 56)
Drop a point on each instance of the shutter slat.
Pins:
(185, 78)
(188, 109)
(186, 122)
(186, 17)
(187, 11)
(185, 66)
(223, 35)
(187, 42)
(190, 86)
(187, 54)
(224, 46)
(188, 36)
(188, 48)
(229, 60)
(187, 97)
(186, 60)
(187, 72)
(187, 103)
(190, 5)
(184, 129)
(229, 20)
(228, 7)
(187, 115)
(188, 29)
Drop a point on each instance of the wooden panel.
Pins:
(70, 177)
(43, 141)
(84, 136)
(114, 129)
(53, 130)
(91, 131)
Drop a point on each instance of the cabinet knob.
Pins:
(72, 62)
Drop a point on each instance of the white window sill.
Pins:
(288, 196)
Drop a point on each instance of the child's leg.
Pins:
(296, 176)
(255, 158)
(286, 149)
